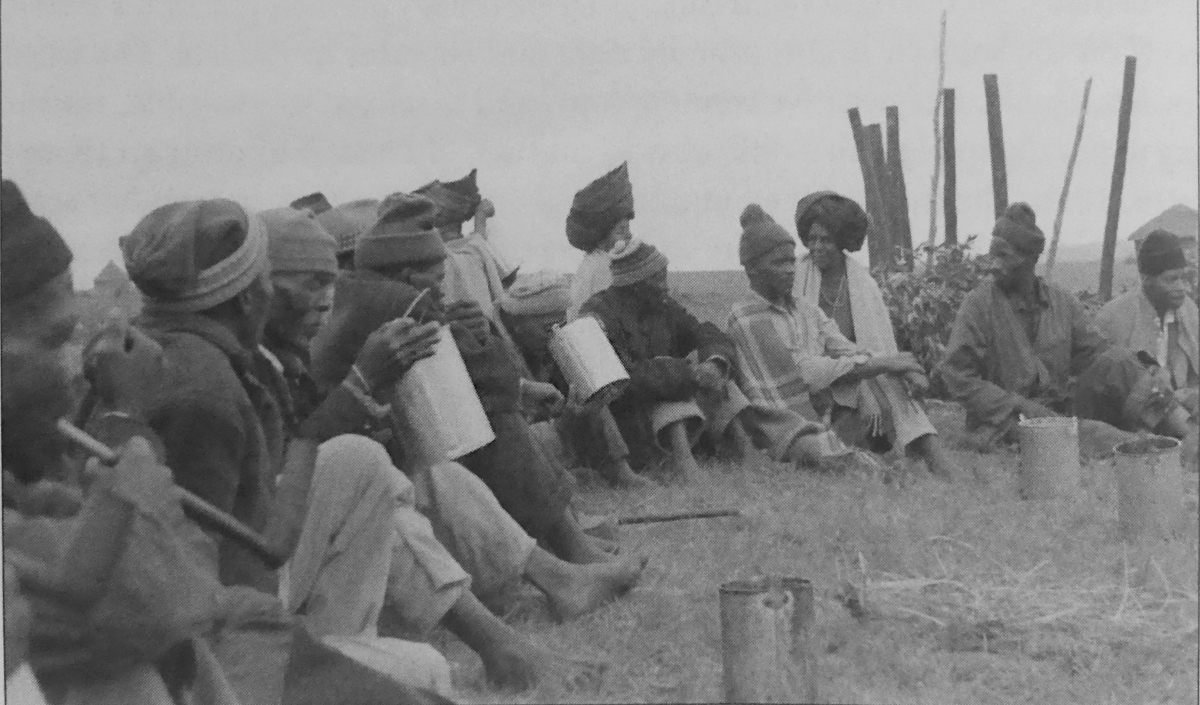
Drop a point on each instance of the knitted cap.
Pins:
(314, 202)
(1018, 227)
(633, 261)
(31, 250)
(540, 293)
(296, 242)
(1160, 252)
(162, 254)
(404, 234)
(456, 201)
(349, 221)
(598, 207)
(841, 216)
(761, 236)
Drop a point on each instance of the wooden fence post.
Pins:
(881, 213)
(948, 144)
(1108, 254)
(897, 190)
(1062, 199)
(991, 92)
(878, 239)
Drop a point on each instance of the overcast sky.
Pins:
(110, 109)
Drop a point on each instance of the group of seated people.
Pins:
(261, 375)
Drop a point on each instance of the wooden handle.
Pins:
(196, 509)
(656, 518)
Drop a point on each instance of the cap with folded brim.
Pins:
(456, 201)
(634, 261)
(296, 242)
(349, 221)
(31, 251)
(541, 293)
(404, 234)
(598, 207)
(761, 236)
(160, 255)
(1018, 227)
(1160, 252)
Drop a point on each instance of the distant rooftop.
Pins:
(1179, 219)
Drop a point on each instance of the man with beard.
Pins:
(878, 411)
(1160, 319)
(203, 267)
(466, 517)
(598, 220)
(653, 335)
(1023, 347)
(400, 259)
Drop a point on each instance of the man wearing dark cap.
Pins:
(1021, 347)
(1160, 318)
(598, 220)
(653, 335)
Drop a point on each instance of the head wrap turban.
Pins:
(1018, 227)
(456, 201)
(761, 236)
(296, 242)
(404, 234)
(314, 202)
(161, 254)
(31, 250)
(542, 293)
(842, 217)
(634, 261)
(598, 207)
(1160, 252)
(349, 221)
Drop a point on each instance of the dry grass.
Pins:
(972, 595)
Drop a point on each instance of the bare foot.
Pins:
(589, 587)
(520, 665)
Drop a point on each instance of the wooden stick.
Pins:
(194, 507)
(882, 252)
(678, 516)
(1062, 199)
(937, 140)
(1108, 254)
(897, 190)
(951, 184)
(872, 198)
(991, 92)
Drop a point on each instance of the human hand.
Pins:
(870, 411)
(544, 397)
(469, 316)
(898, 363)
(1189, 398)
(1031, 409)
(125, 367)
(710, 376)
(392, 349)
(917, 384)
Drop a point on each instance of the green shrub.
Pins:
(924, 302)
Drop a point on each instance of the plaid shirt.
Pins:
(787, 351)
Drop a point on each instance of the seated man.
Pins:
(653, 335)
(1022, 347)
(530, 309)
(829, 226)
(790, 352)
(401, 260)
(598, 220)
(1160, 318)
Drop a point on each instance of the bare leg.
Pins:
(681, 451)
(509, 659)
(931, 449)
(618, 474)
(574, 590)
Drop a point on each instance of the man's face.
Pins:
(35, 369)
(532, 332)
(773, 278)
(429, 276)
(1008, 265)
(824, 247)
(299, 306)
(1168, 290)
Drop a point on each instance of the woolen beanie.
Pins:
(456, 201)
(541, 293)
(598, 207)
(296, 242)
(182, 256)
(314, 202)
(1018, 227)
(403, 234)
(633, 261)
(841, 216)
(31, 250)
(1160, 252)
(347, 222)
(761, 236)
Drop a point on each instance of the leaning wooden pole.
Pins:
(897, 189)
(877, 236)
(1109, 253)
(991, 92)
(948, 205)
(881, 211)
(937, 139)
(1062, 199)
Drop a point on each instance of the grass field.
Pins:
(971, 594)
